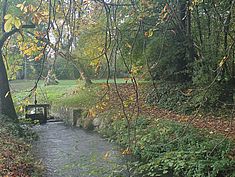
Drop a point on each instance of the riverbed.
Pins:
(70, 151)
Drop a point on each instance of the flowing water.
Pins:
(69, 151)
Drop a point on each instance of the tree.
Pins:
(180, 41)
(6, 103)
(65, 18)
(10, 26)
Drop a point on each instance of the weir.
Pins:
(38, 112)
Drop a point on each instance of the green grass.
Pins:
(71, 93)
(82, 97)
(54, 93)
(119, 81)
(45, 94)
(21, 85)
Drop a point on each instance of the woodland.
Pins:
(160, 73)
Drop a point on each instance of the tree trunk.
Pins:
(51, 78)
(229, 85)
(6, 104)
(83, 74)
(191, 51)
(180, 59)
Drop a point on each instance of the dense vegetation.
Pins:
(177, 55)
(188, 44)
(162, 148)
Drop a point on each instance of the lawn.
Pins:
(65, 93)
(61, 94)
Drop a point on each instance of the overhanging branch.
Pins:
(6, 35)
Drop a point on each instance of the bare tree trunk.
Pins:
(51, 78)
(227, 26)
(83, 73)
(230, 84)
(6, 104)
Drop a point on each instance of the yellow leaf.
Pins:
(8, 25)
(25, 9)
(223, 61)
(128, 45)
(7, 94)
(150, 33)
(107, 155)
(8, 16)
(21, 109)
(17, 23)
(95, 62)
(92, 113)
(27, 101)
(127, 151)
(125, 104)
(21, 6)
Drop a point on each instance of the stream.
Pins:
(70, 151)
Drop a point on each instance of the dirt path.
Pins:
(67, 151)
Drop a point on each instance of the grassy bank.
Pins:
(161, 145)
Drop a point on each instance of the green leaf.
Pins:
(165, 172)
(8, 25)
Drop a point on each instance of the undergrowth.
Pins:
(186, 99)
(16, 157)
(162, 148)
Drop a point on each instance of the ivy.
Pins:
(163, 149)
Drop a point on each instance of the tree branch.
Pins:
(5, 35)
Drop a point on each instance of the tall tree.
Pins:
(6, 103)
(10, 26)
